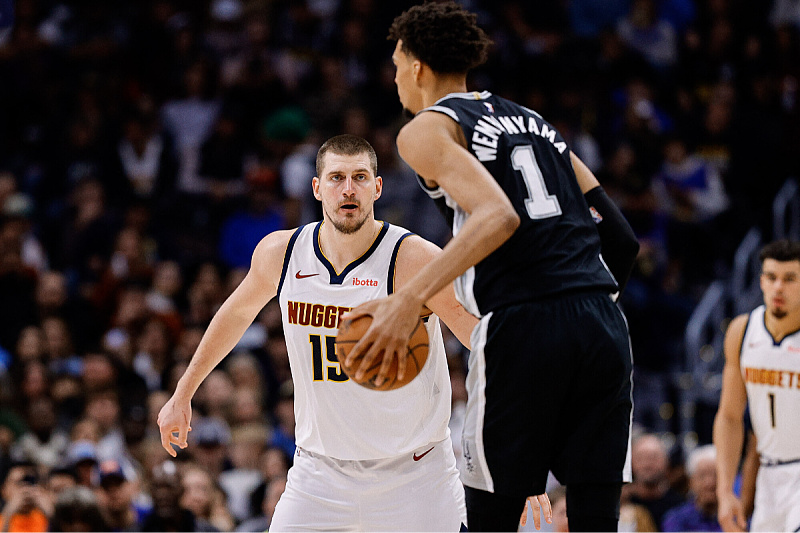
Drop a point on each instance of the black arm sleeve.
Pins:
(617, 240)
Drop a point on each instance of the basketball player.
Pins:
(527, 258)
(762, 369)
(366, 460)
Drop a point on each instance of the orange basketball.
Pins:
(350, 331)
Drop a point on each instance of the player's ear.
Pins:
(378, 187)
(315, 188)
(416, 69)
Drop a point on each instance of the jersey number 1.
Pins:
(539, 203)
(772, 407)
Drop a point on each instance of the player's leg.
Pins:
(593, 506)
(487, 511)
(317, 497)
(515, 389)
(420, 491)
(597, 416)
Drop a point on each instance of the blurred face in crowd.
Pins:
(198, 491)
(780, 283)
(649, 460)
(703, 483)
(118, 494)
(347, 189)
(21, 480)
(166, 490)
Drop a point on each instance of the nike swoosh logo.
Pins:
(420, 456)
(301, 276)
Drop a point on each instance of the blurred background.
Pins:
(146, 146)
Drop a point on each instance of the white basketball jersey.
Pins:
(771, 372)
(336, 417)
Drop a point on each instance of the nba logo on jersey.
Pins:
(489, 106)
(596, 216)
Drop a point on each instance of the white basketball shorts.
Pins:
(777, 504)
(420, 491)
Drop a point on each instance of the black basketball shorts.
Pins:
(549, 390)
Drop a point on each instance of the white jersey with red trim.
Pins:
(771, 372)
(336, 417)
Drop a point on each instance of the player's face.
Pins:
(406, 71)
(780, 283)
(347, 189)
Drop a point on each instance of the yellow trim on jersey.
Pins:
(319, 244)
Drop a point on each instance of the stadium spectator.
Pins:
(650, 487)
(700, 513)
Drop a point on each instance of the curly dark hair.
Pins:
(444, 36)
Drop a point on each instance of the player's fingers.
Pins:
(547, 508)
(366, 361)
(362, 345)
(741, 522)
(536, 511)
(386, 363)
(356, 312)
(182, 435)
(166, 435)
(402, 358)
(523, 519)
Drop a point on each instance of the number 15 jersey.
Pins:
(334, 416)
(556, 248)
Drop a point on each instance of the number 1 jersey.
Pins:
(556, 248)
(771, 373)
(335, 416)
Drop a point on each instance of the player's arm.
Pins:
(414, 253)
(430, 145)
(750, 466)
(729, 428)
(617, 240)
(226, 328)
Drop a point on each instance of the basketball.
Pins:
(350, 331)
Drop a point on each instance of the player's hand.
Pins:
(393, 321)
(731, 514)
(539, 504)
(175, 417)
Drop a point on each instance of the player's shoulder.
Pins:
(273, 246)
(734, 336)
(414, 253)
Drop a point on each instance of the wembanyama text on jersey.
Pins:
(556, 248)
(335, 416)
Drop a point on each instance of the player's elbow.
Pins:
(507, 221)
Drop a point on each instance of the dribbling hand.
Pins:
(537, 503)
(393, 320)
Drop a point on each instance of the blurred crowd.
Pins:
(146, 147)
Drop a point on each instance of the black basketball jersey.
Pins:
(556, 248)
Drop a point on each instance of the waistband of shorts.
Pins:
(374, 461)
(777, 462)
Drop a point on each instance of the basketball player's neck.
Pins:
(341, 249)
(440, 85)
(785, 325)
